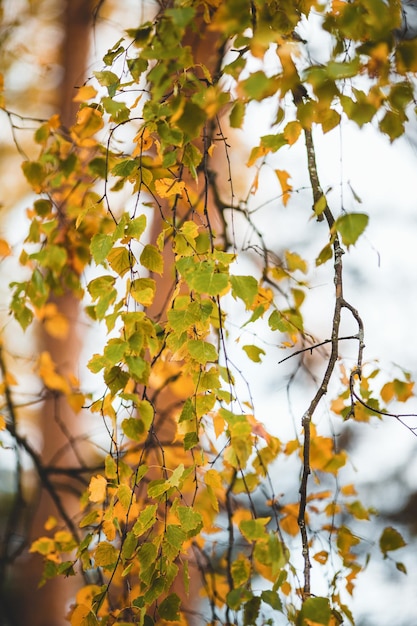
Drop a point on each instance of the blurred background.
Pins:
(49, 46)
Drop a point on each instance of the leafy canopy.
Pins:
(187, 487)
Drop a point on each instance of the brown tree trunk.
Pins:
(47, 606)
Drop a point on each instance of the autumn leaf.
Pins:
(97, 489)
(166, 187)
(49, 375)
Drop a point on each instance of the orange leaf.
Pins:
(166, 187)
(5, 249)
(97, 489)
(86, 92)
(49, 376)
(283, 177)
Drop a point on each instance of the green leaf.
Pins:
(192, 120)
(100, 246)
(315, 609)
(173, 541)
(254, 353)
(136, 227)
(105, 554)
(109, 80)
(351, 226)
(320, 205)
(392, 124)
(251, 611)
(181, 16)
(259, 86)
(146, 519)
(201, 351)
(237, 114)
(125, 168)
(147, 555)
(34, 173)
(120, 260)
(236, 597)
(191, 521)
(169, 608)
(114, 351)
(254, 529)
(241, 569)
(390, 540)
(325, 255)
(118, 111)
(245, 288)
(151, 258)
(272, 598)
(129, 545)
(133, 428)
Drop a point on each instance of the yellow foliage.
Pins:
(289, 521)
(97, 489)
(283, 177)
(5, 249)
(143, 141)
(55, 323)
(166, 187)
(86, 92)
(2, 422)
(348, 490)
(321, 557)
(50, 523)
(89, 122)
(49, 376)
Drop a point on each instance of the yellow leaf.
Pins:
(283, 177)
(50, 523)
(55, 323)
(241, 515)
(289, 522)
(81, 616)
(49, 376)
(218, 423)
(9, 379)
(292, 132)
(89, 121)
(97, 489)
(86, 594)
(86, 92)
(213, 479)
(166, 187)
(5, 249)
(2, 422)
(76, 401)
(143, 141)
(109, 529)
(337, 405)
(43, 545)
(348, 490)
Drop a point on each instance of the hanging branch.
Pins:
(340, 303)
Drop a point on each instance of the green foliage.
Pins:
(187, 457)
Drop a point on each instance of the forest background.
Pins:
(366, 166)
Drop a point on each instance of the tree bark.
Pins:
(47, 606)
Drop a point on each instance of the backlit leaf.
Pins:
(151, 258)
(351, 226)
(166, 187)
(97, 489)
(201, 351)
